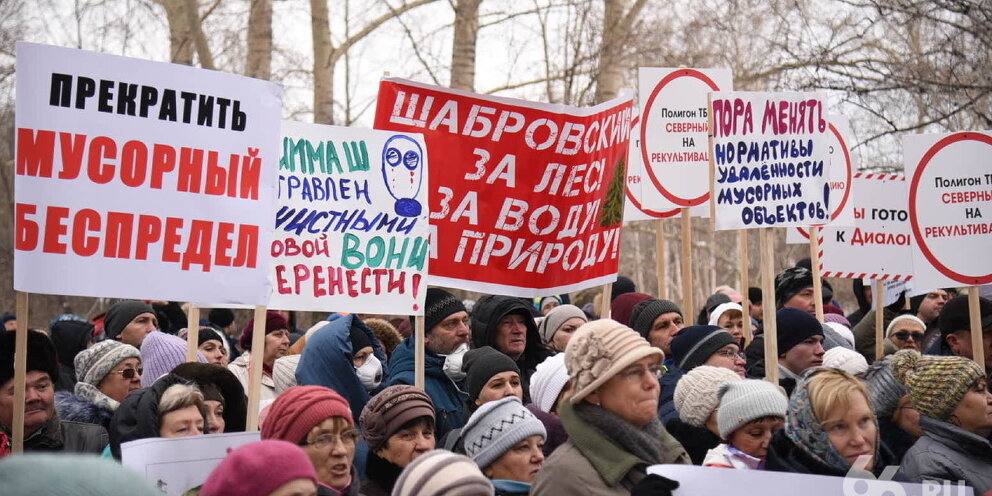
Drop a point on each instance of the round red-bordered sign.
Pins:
(914, 221)
(850, 174)
(626, 191)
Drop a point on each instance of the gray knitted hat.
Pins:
(121, 314)
(556, 317)
(496, 426)
(93, 363)
(442, 473)
(744, 401)
(884, 390)
(644, 313)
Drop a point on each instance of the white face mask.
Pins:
(370, 373)
(453, 363)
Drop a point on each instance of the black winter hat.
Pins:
(956, 316)
(221, 317)
(791, 281)
(70, 337)
(41, 355)
(481, 364)
(694, 345)
(121, 314)
(795, 326)
(235, 403)
(644, 314)
(438, 305)
(490, 309)
(622, 285)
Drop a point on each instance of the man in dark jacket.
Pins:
(506, 324)
(43, 430)
(955, 330)
(446, 336)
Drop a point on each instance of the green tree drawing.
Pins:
(612, 210)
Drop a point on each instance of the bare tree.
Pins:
(259, 60)
(617, 22)
(463, 47)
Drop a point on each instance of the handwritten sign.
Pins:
(950, 206)
(177, 465)
(142, 179)
(351, 221)
(841, 167)
(526, 199)
(771, 160)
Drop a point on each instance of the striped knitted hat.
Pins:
(496, 427)
(935, 383)
(442, 473)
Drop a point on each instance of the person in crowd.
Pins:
(507, 442)
(549, 386)
(611, 418)
(559, 324)
(906, 332)
(222, 319)
(898, 421)
(730, 316)
(211, 345)
(76, 475)
(386, 333)
(284, 372)
(43, 429)
(658, 321)
(623, 285)
(446, 335)
(160, 353)
(546, 304)
(707, 345)
(398, 425)
(320, 421)
(696, 402)
(849, 361)
(840, 329)
(713, 301)
(749, 414)
(506, 324)
(622, 307)
(442, 473)
(829, 428)
(952, 396)
(129, 321)
(955, 330)
(344, 355)
(276, 345)
(927, 307)
(755, 305)
(800, 345)
(70, 334)
(9, 322)
(171, 407)
(490, 376)
(294, 332)
(864, 331)
(862, 293)
(223, 396)
(107, 372)
(263, 468)
(733, 294)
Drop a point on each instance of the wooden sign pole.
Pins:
(606, 301)
(661, 258)
(193, 332)
(768, 303)
(879, 297)
(975, 316)
(814, 256)
(255, 363)
(20, 371)
(418, 352)
(687, 303)
(745, 283)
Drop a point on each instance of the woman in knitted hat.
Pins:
(730, 316)
(549, 387)
(906, 332)
(559, 324)
(951, 393)
(611, 418)
(829, 428)
(160, 353)
(276, 345)
(398, 424)
(171, 407)
(442, 473)
(211, 344)
(263, 468)
(227, 407)
(507, 443)
(106, 373)
(898, 421)
(696, 402)
(319, 420)
(749, 413)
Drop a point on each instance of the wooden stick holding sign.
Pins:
(744, 267)
(768, 303)
(975, 316)
(661, 258)
(879, 297)
(606, 301)
(192, 332)
(687, 303)
(255, 362)
(20, 372)
(814, 256)
(418, 352)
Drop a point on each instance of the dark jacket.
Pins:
(380, 475)
(897, 440)
(785, 456)
(355, 489)
(69, 337)
(64, 436)
(138, 417)
(697, 441)
(447, 396)
(863, 306)
(487, 313)
(235, 402)
(77, 409)
(948, 452)
(666, 403)
(552, 425)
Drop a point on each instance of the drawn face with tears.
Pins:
(402, 172)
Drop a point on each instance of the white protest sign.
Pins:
(142, 179)
(950, 207)
(675, 135)
(177, 465)
(351, 221)
(771, 159)
(880, 244)
(714, 480)
(639, 192)
(891, 289)
(839, 176)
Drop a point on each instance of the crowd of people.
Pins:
(519, 397)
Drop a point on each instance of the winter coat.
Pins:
(487, 313)
(590, 464)
(78, 409)
(381, 475)
(948, 452)
(327, 361)
(355, 489)
(64, 436)
(697, 441)
(785, 456)
(240, 368)
(864, 332)
(666, 403)
(725, 457)
(447, 396)
(138, 417)
(897, 440)
(511, 487)
(69, 337)
(863, 305)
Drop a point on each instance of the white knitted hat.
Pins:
(547, 381)
(747, 400)
(496, 426)
(695, 393)
(600, 350)
(844, 359)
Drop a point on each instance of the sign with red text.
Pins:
(880, 245)
(351, 221)
(840, 172)
(771, 156)
(640, 193)
(675, 148)
(526, 199)
(950, 206)
(142, 179)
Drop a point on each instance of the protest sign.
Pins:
(177, 465)
(879, 246)
(675, 131)
(640, 192)
(770, 156)
(351, 221)
(950, 207)
(141, 179)
(526, 199)
(840, 172)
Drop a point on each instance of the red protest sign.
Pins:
(526, 198)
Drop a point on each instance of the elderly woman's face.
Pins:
(974, 411)
(331, 448)
(122, 379)
(632, 394)
(907, 335)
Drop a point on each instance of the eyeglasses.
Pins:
(451, 325)
(324, 441)
(636, 375)
(129, 373)
(903, 335)
(731, 354)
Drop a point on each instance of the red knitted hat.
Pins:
(258, 469)
(273, 322)
(301, 408)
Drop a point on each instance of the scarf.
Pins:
(643, 443)
(93, 394)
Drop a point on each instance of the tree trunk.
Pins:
(196, 33)
(323, 68)
(617, 21)
(463, 47)
(180, 40)
(259, 61)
